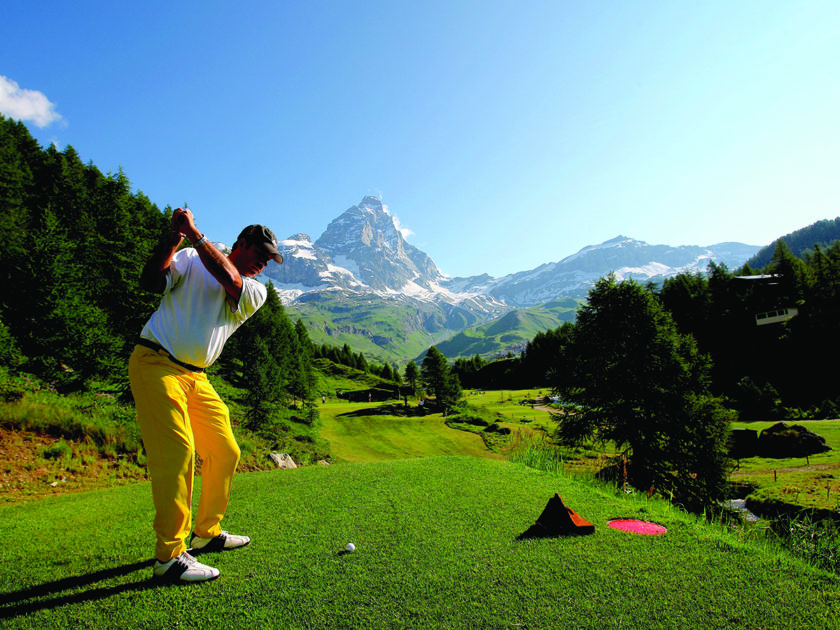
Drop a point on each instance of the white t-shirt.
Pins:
(194, 318)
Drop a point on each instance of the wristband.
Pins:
(203, 239)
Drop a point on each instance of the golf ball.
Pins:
(351, 547)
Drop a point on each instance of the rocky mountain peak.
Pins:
(362, 251)
(300, 237)
(372, 203)
(365, 239)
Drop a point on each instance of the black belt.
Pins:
(159, 348)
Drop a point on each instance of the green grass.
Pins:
(505, 408)
(813, 482)
(335, 377)
(362, 432)
(56, 443)
(530, 425)
(810, 483)
(28, 404)
(436, 547)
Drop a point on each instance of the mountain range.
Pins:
(361, 283)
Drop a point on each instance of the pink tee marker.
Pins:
(645, 528)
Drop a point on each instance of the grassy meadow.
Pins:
(363, 432)
(369, 432)
(507, 408)
(436, 546)
(812, 482)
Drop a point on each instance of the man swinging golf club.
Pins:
(206, 297)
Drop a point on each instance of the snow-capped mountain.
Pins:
(365, 240)
(307, 268)
(625, 257)
(362, 251)
(361, 278)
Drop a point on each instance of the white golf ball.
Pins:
(350, 547)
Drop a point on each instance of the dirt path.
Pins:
(803, 468)
(549, 410)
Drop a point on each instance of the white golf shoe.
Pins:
(184, 568)
(223, 541)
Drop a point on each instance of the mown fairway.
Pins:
(436, 547)
(363, 432)
(506, 405)
(371, 432)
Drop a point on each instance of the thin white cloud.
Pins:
(406, 232)
(26, 105)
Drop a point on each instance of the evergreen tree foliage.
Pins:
(539, 359)
(255, 347)
(361, 362)
(308, 372)
(757, 403)
(642, 385)
(386, 373)
(9, 353)
(782, 361)
(823, 233)
(346, 357)
(268, 359)
(467, 370)
(439, 380)
(791, 272)
(74, 241)
(412, 375)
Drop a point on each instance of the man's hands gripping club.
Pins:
(220, 266)
(183, 222)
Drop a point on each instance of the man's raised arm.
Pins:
(154, 273)
(213, 260)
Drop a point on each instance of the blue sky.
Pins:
(502, 135)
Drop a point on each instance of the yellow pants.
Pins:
(180, 414)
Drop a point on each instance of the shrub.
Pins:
(9, 353)
(59, 450)
(473, 420)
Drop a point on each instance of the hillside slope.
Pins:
(509, 333)
(822, 233)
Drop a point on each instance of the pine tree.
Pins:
(642, 385)
(74, 241)
(267, 349)
(437, 379)
(307, 355)
(386, 373)
(412, 374)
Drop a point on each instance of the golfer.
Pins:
(206, 297)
